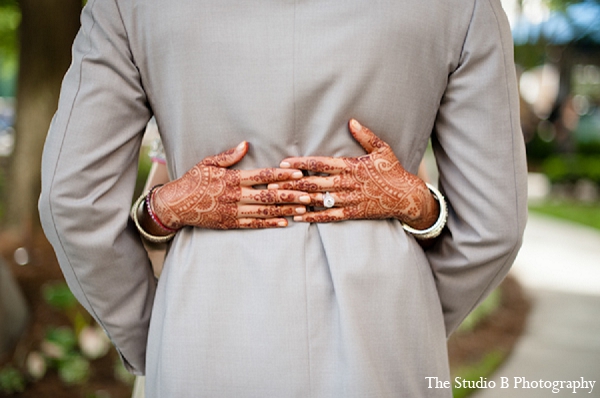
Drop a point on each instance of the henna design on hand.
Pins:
(387, 189)
(267, 211)
(211, 200)
(372, 186)
(210, 195)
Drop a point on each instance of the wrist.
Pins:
(156, 218)
(431, 230)
(158, 208)
(428, 212)
(424, 210)
(146, 224)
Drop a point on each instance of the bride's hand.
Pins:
(373, 186)
(212, 196)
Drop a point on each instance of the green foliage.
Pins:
(10, 18)
(9, 3)
(144, 166)
(59, 296)
(560, 5)
(60, 349)
(67, 349)
(587, 134)
(123, 374)
(530, 55)
(487, 306)
(62, 340)
(74, 369)
(538, 149)
(565, 168)
(11, 380)
(475, 372)
(581, 213)
(491, 360)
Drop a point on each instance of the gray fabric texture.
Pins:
(350, 309)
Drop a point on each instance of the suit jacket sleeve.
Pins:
(480, 153)
(88, 175)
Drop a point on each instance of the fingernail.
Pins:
(272, 186)
(305, 199)
(297, 218)
(285, 165)
(355, 124)
(300, 210)
(241, 146)
(282, 223)
(297, 174)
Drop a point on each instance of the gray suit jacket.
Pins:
(349, 309)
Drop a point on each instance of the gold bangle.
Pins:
(134, 216)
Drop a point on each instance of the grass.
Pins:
(476, 372)
(580, 213)
(491, 360)
(486, 308)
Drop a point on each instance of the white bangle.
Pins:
(436, 229)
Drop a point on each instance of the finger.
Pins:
(308, 184)
(266, 176)
(340, 199)
(365, 137)
(227, 158)
(260, 211)
(255, 223)
(319, 164)
(329, 215)
(272, 196)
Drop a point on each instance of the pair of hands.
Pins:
(373, 186)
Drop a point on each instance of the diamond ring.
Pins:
(328, 200)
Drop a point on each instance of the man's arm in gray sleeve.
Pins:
(480, 153)
(89, 169)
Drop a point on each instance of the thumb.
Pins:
(365, 137)
(227, 158)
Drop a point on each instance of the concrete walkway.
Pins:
(559, 266)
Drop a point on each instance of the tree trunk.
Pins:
(47, 30)
(13, 311)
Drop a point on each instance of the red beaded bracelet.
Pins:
(151, 212)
